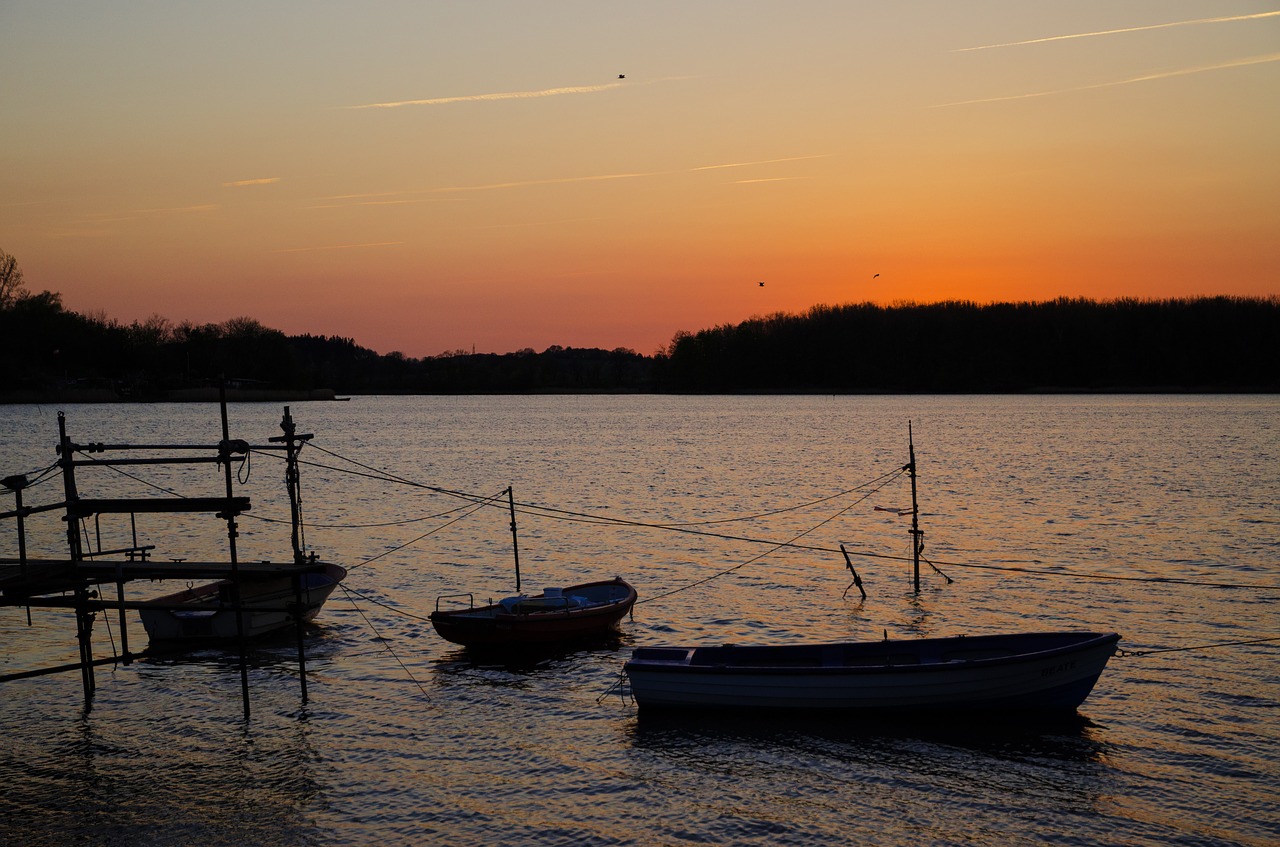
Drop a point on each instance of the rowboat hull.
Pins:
(542, 620)
(267, 607)
(1027, 671)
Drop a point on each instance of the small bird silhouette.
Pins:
(762, 285)
(622, 76)
(873, 276)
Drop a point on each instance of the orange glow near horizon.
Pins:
(431, 178)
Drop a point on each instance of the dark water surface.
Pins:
(406, 740)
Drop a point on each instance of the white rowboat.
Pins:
(1024, 671)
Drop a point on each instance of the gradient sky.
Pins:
(431, 176)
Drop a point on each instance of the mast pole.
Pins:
(916, 532)
(293, 443)
(293, 485)
(515, 542)
(292, 482)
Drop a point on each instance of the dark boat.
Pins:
(269, 605)
(1051, 671)
(557, 615)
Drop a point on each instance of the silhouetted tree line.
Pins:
(1210, 343)
(45, 349)
(1206, 344)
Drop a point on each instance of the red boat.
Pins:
(557, 615)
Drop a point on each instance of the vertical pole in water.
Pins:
(224, 453)
(299, 610)
(70, 494)
(16, 483)
(124, 628)
(84, 617)
(292, 485)
(515, 543)
(291, 481)
(915, 509)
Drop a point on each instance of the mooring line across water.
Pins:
(1137, 654)
(688, 528)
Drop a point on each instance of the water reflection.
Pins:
(526, 750)
(1066, 738)
(146, 776)
(529, 658)
(882, 781)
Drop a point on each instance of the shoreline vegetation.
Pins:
(1187, 345)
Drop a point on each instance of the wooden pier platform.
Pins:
(54, 576)
(74, 582)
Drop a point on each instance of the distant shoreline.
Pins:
(100, 395)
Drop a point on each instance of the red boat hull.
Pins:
(540, 620)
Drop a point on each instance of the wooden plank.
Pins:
(118, 506)
(52, 576)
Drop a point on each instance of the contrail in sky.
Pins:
(339, 247)
(1126, 29)
(1239, 63)
(171, 210)
(602, 177)
(769, 179)
(507, 95)
(761, 162)
(243, 182)
(366, 203)
(393, 197)
(497, 185)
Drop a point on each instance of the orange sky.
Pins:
(427, 177)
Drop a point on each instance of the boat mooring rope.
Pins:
(688, 528)
(887, 478)
(386, 606)
(385, 642)
(472, 511)
(480, 500)
(1137, 654)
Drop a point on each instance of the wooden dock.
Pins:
(79, 581)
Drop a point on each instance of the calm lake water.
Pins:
(406, 740)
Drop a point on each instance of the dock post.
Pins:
(65, 448)
(75, 551)
(124, 624)
(224, 453)
(84, 635)
(16, 483)
(298, 614)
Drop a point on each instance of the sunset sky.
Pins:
(431, 176)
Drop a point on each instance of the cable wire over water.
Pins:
(386, 643)
(1137, 654)
(886, 480)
